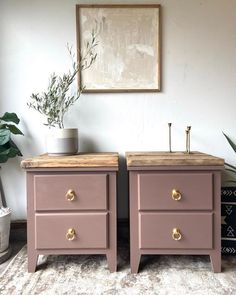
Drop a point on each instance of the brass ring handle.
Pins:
(70, 195)
(176, 195)
(70, 235)
(176, 234)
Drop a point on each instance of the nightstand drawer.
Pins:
(71, 231)
(71, 192)
(175, 191)
(175, 230)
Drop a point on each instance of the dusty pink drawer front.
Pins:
(88, 192)
(88, 231)
(155, 191)
(157, 230)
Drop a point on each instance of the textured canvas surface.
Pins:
(228, 222)
(133, 57)
(89, 275)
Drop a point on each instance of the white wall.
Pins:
(198, 75)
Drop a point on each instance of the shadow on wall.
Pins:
(86, 144)
(9, 173)
(122, 196)
(28, 140)
(1, 90)
(228, 178)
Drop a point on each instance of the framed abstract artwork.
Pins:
(128, 50)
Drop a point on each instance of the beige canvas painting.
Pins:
(128, 50)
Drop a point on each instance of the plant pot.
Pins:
(62, 142)
(5, 221)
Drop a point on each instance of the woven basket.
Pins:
(5, 222)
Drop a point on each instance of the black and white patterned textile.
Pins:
(228, 220)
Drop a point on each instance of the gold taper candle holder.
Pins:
(188, 139)
(169, 124)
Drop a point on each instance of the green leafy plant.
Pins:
(57, 99)
(230, 167)
(8, 148)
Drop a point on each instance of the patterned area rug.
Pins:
(89, 275)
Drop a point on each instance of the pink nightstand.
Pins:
(71, 206)
(174, 205)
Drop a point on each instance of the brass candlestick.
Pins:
(188, 139)
(187, 134)
(169, 124)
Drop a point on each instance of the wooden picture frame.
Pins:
(128, 50)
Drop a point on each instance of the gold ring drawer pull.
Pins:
(176, 195)
(70, 195)
(70, 235)
(176, 234)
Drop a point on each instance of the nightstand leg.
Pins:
(112, 261)
(134, 261)
(216, 262)
(32, 262)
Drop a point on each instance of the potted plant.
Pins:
(230, 167)
(8, 149)
(54, 103)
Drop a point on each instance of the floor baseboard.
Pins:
(18, 231)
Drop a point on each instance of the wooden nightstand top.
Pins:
(81, 160)
(140, 159)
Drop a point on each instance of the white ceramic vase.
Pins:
(62, 142)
